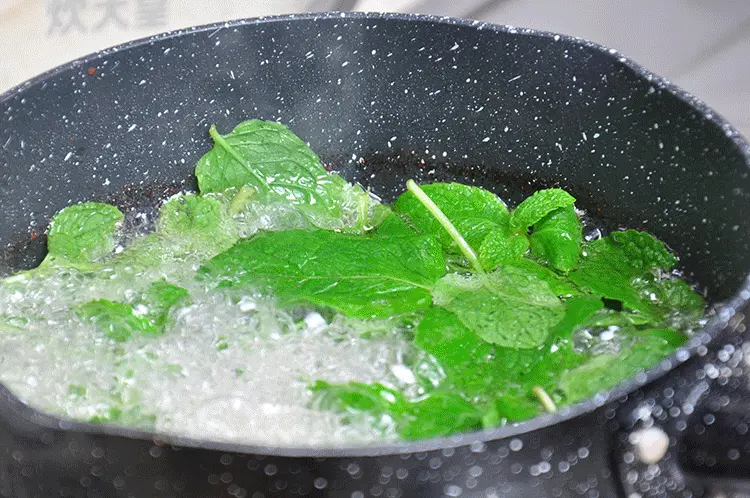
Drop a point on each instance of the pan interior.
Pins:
(384, 99)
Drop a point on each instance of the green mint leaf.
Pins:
(498, 380)
(672, 297)
(556, 239)
(578, 311)
(509, 307)
(394, 226)
(158, 300)
(679, 295)
(76, 391)
(558, 354)
(510, 407)
(603, 272)
(460, 242)
(672, 337)
(145, 252)
(625, 266)
(359, 276)
(197, 224)
(441, 334)
(268, 158)
(475, 212)
(440, 414)
(264, 155)
(643, 251)
(533, 209)
(606, 371)
(121, 322)
(437, 414)
(190, 228)
(12, 323)
(83, 232)
(115, 320)
(386, 408)
(621, 319)
(468, 361)
(501, 247)
(559, 285)
(477, 369)
(359, 397)
(475, 230)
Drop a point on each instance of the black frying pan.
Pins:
(512, 110)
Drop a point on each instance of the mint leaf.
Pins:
(539, 205)
(559, 285)
(474, 211)
(359, 276)
(601, 273)
(394, 226)
(643, 251)
(83, 232)
(197, 223)
(578, 311)
(509, 307)
(190, 227)
(440, 414)
(556, 239)
(12, 323)
(479, 370)
(675, 299)
(606, 371)
(115, 320)
(678, 297)
(76, 391)
(501, 247)
(464, 248)
(441, 334)
(437, 414)
(122, 414)
(145, 252)
(498, 381)
(267, 156)
(625, 267)
(158, 300)
(511, 407)
(270, 159)
(120, 321)
(468, 361)
(357, 397)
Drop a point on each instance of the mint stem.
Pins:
(544, 399)
(433, 208)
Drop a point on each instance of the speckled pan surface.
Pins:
(384, 98)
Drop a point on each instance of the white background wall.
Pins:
(702, 45)
(27, 47)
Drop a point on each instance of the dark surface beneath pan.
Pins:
(382, 99)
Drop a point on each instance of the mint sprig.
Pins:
(499, 298)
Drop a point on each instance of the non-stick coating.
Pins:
(385, 98)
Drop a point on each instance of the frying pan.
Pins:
(383, 98)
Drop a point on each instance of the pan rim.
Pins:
(710, 332)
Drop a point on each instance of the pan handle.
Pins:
(689, 433)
